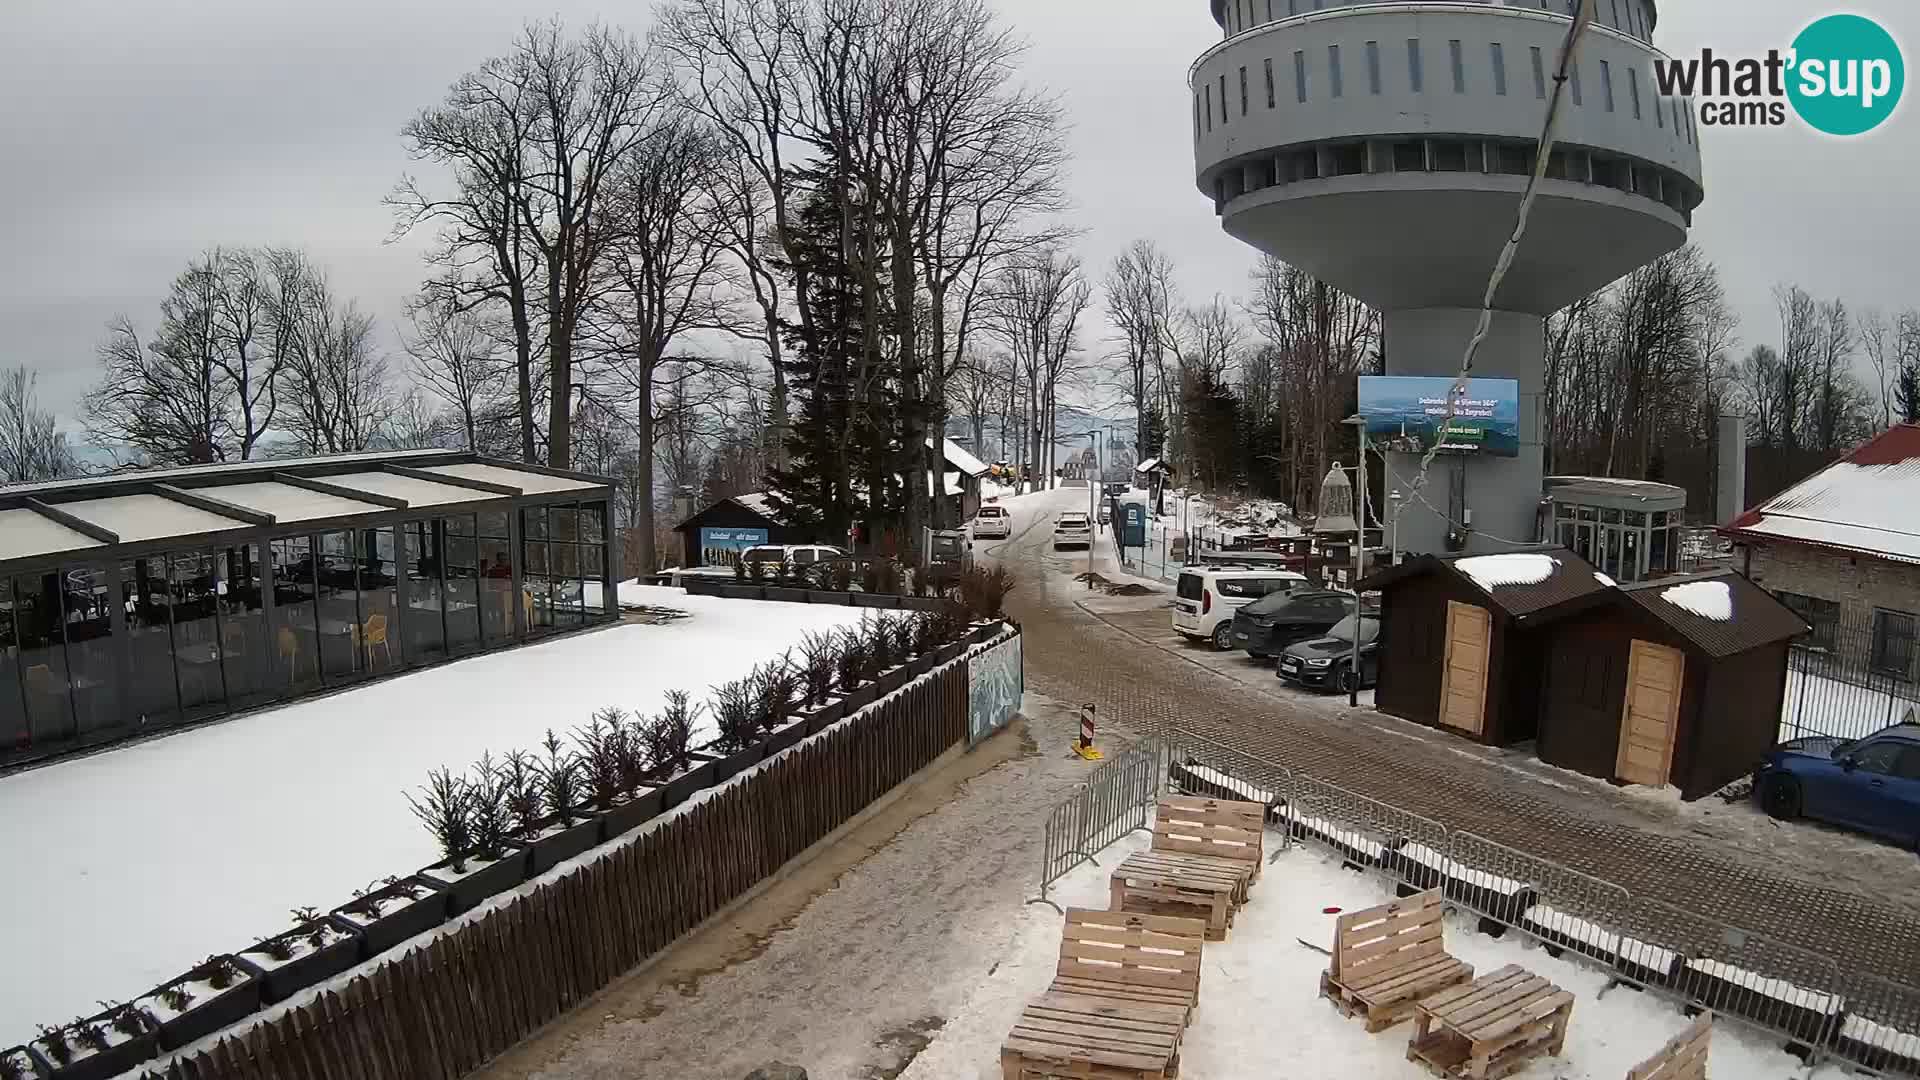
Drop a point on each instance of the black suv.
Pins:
(1273, 622)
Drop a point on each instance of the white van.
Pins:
(1206, 598)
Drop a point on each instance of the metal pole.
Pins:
(1359, 565)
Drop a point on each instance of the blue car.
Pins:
(1870, 784)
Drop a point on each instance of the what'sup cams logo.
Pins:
(1842, 76)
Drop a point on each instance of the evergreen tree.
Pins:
(1153, 433)
(1906, 393)
(841, 442)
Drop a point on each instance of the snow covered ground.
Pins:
(1260, 1014)
(1818, 705)
(126, 867)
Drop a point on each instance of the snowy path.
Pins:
(128, 866)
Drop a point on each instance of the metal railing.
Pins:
(1821, 1011)
(1117, 799)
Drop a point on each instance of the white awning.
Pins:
(149, 517)
(530, 483)
(24, 534)
(288, 503)
(415, 492)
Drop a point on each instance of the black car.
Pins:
(1327, 662)
(1273, 622)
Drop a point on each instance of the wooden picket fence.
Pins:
(440, 1011)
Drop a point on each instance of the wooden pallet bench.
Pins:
(1140, 959)
(1386, 958)
(1076, 1035)
(1683, 1058)
(1150, 883)
(1492, 1027)
(1222, 833)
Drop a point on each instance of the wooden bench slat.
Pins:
(1438, 967)
(1386, 959)
(1684, 1057)
(1127, 959)
(1080, 920)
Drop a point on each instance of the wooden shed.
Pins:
(1673, 681)
(716, 535)
(1462, 647)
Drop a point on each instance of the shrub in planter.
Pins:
(316, 949)
(108, 1043)
(778, 684)
(840, 575)
(215, 994)
(740, 572)
(389, 912)
(819, 654)
(736, 712)
(983, 590)
(669, 747)
(470, 821)
(855, 665)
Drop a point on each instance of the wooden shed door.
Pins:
(1651, 714)
(1463, 676)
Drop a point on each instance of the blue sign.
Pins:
(1403, 413)
(722, 547)
(1133, 525)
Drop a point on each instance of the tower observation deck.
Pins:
(1383, 147)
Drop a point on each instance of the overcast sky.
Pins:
(139, 133)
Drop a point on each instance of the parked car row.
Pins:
(1275, 613)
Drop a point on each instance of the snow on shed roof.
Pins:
(1720, 612)
(1867, 502)
(958, 457)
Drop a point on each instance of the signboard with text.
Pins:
(722, 547)
(1403, 413)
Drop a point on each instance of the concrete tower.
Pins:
(1383, 146)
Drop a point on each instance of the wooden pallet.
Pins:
(1387, 958)
(1683, 1058)
(1151, 883)
(1221, 834)
(1129, 957)
(1492, 1027)
(1072, 1035)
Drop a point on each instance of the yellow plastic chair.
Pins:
(373, 635)
(40, 680)
(289, 646)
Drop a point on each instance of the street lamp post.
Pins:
(1393, 500)
(1359, 554)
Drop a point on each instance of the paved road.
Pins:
(1854, 900)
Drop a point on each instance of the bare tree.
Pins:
(668, 277)
(1879, 340)
(32, 447)
(1035, 308)
(334, 392)
(165, 400)
(456, 358)
(1140, 304)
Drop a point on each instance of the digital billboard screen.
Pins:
(1403, 413)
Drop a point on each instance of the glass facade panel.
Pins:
(296, 638)
(1612, 566)
(13, 706)
(91, 652)
(43, 658)
(1630, 556)
(497, 602)
(536, 584)
(246, 649)
(379, 599)
(153, 689)
(196, 590)
(339, 605)
(425, 560)
(464, 592)
(1658, 551)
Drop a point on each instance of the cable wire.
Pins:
(1583, 17)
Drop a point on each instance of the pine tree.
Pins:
(841, 442)
(1906, 393)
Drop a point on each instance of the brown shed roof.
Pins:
(1520, 583)
(1694, 606)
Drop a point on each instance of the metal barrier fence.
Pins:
(1117, 799)
(1823, 1012)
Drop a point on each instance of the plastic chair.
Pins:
(289, 646)
(375, 634)
(40, 680)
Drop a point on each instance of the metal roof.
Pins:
(43, 521)
(1615, 491)
(1867, 503)
(960, 459)
(1757, 618)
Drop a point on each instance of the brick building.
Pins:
(1842, 549)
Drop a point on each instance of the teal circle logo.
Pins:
(1847, 75)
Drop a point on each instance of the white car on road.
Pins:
(992, 523)
(1073, 530)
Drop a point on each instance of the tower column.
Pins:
(1496, 497)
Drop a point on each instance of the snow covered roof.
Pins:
(960, 459)
(1148, 465)
(1519, 583)
(187, 504)
(1720, 612)
(761, 502)
(1867, 502)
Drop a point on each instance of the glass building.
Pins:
(143, 601)
(1630, 529)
